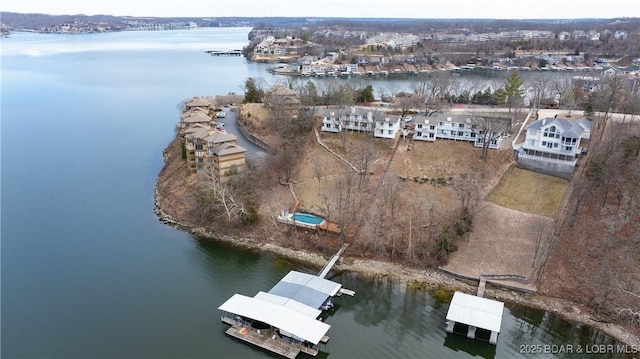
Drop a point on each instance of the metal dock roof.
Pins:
(289, 303)
(476, 311)
(305, 288)
(281, 317)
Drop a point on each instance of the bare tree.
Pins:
(406, 102)
(608, 99)
(564, 92)
(387, 200)
(539, 87)
(488, 130)
(218, 199)
(433, 88)
(345, 198)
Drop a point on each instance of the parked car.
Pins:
(407, 118)
(221, 114)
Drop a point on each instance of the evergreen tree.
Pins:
(512, 94)
(252, 94)
(366, 94)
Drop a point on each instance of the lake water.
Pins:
(87, 269)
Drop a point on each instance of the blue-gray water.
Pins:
(87, 269)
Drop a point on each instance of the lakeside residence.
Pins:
(461, 127)
(362, 119)
(552, 145)
(209, 149)
(437, 125)
(282, 99)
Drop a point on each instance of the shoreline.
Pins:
(422, 279)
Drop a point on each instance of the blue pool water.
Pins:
(307, 218)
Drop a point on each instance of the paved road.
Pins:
(254, 153)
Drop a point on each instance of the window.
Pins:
(461, 125)
(549, 144)
(555, 145)
(431, 135)
(568, 148)
(419, 127)
(419, 134)
(432, 127)
(199, 147)
(460, 133)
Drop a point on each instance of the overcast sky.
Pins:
(461, 9)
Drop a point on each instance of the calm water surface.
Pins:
(87, 269)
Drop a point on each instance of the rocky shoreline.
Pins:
(416, 278)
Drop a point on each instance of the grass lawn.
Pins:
(529, 192)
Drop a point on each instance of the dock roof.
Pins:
(307, 289)
(476, 311)
(289, 303)
(276, 315)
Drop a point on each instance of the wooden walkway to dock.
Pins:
(327, 267)
(483, 284)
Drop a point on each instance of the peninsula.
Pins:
(438, 214)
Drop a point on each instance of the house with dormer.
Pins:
(387, 127)
(552, 145)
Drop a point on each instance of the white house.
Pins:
(459, 127)
(552, 145)
(361, 120)
(387, 127)
(620, 35)
(331, 123)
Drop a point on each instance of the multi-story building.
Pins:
(198, 102)
(213, 153)
(282, 99)
(460, 127)
(552, 145)
(362, 120)
(192, 117)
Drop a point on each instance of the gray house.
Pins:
(552, 145)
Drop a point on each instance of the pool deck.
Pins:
(325, 225)
(330, 227)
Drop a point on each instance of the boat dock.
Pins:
(475, 312)
(285, 320)
(224, 52)
(252, 336)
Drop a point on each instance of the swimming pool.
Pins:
(307, 219)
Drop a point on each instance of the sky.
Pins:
(458, 9)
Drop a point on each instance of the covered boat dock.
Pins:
(283, 320)
(475, 312)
